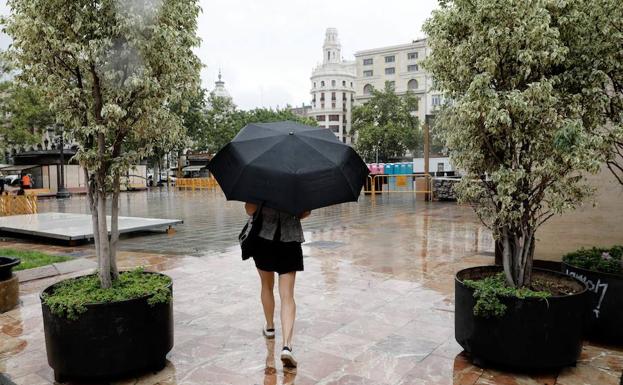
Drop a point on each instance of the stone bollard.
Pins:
(9, 293)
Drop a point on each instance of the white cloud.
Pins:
(267, 49)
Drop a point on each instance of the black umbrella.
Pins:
(289, 166)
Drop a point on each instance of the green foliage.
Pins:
(489, 291)
(385, 125)
(112, 70)
(223, 120)
(24, 115)
(32, 259)
(598, 259)
(70, 297)
(532, 108)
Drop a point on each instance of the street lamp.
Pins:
(62, 192)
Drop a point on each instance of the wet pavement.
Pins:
(374, 304)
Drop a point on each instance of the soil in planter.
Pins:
(70, 297)
(490, 288)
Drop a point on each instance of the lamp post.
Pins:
(61, 192)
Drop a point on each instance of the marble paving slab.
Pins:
(72, 227)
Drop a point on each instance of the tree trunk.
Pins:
(92, 201)
(517, 255)
(114, 226)
(104, 257)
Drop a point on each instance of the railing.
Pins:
(196, 183)
(419, 183)
(17, 204)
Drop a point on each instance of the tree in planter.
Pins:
(527, 116)
(385, 125)
(112, 70)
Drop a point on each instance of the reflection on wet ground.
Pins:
(375, 302)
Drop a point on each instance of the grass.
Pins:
(70, 297)
(32, 259)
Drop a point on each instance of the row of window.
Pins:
(333, 97)
(333, 83)
(332, 118)
(390, 58)
(412, 85)
(391, 70)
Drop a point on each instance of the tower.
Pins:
(332, 49)
(219, 88)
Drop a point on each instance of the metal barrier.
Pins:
(18, 204)
(196, 183)
(419, 183)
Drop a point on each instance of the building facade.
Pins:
(333, 89)
(338, 85)
(400, 65)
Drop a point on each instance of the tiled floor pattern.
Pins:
(374, 307)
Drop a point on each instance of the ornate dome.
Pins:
(219, 88)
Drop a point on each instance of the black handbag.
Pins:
(249, 234)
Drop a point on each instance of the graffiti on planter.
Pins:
(598, 288)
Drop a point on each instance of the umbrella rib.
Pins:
(335, 164)
(249, 162)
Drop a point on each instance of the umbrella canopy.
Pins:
(289, 166)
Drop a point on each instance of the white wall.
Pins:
(418, 164)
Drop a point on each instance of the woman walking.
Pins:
(278, 250)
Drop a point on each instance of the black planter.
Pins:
(605, 315)
(6, 267)
(109, 340)
(533, 334)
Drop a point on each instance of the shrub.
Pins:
(70, 297)
(598, 259)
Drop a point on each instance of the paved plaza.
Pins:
(374, 304)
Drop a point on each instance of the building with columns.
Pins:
(333, 88)
(338, 85)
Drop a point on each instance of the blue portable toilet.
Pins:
(389, 168)
(410, 168)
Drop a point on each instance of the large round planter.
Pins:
(6, 267)
(109, 340)
(605, 314)
(532, 334)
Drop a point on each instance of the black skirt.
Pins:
(277, 256)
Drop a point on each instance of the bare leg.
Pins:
(288, 306)
(268, 299)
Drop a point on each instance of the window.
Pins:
(367, 89)
(412, 55)
(367, 73)
(320, 118)
(412, 68)
(314, 84)
(334, 118)
(344, 140)
(412, 85)
(322, 96)
(335, 129)
(390, 71)
(351, 84)
(390, 59)
(332, 83)
(391, 84)
(440, 167)
(367, 62)
(332, 95)
(322, 83)
(343, 83)
(436, 100)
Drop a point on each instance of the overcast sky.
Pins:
(266, 49)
